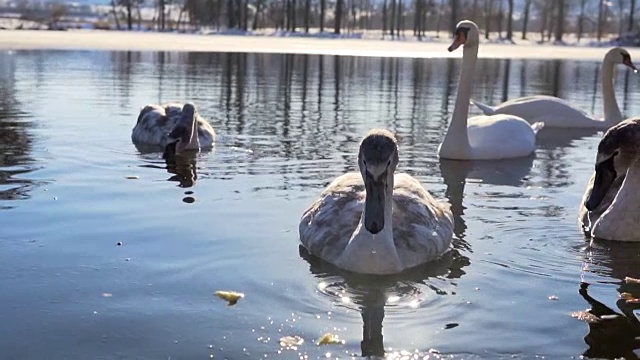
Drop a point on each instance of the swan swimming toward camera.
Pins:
(174, 127)
(610, 208)
(482, 137)
(556, 112)
(375, 221)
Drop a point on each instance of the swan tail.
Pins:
(486, 109)
(537, 126)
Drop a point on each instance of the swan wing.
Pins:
(500, 137)
(327, 225)
(153, 125)
(553, 111)
(422, 226)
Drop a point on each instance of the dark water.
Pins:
(227, 219)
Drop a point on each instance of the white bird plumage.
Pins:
(173, 124)
(556, 112)
(610, 207)
(482, 137)
(375, 221)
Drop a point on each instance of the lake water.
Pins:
(97, 265)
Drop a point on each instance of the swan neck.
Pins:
(612, 112)
(457, 136)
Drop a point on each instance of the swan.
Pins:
(610, 207)
(556, 112)
(174, 127)
(482, 137)
(374, 221)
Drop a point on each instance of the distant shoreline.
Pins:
(154, 41)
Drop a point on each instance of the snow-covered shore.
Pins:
(154, 41)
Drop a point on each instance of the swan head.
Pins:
(184, 135)
(466, 33)
(377, 160)
(618, 55)
(618, 149)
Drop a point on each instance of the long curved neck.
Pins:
(456, 141)
(612, 112)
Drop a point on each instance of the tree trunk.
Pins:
(307, 10)
(416, 18)
(115, 13)
(162, 19)
(500, 19)
(474, 9)
(129, 15)
(439, 21)
(600, 19)
(632, 11)
(510, 21)
(384, 18)
(294, 11)
(525, 20)
(488, 17)
(338, 19)
(323, 7)
(393, 18)
(583, 3)
(400, 18)
(256, 16)
(560, 20)
(543, 23)
(454, 14)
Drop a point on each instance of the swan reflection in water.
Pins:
(183, 166)
(372, 293)
(612, 333)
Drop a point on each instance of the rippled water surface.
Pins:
(97, 263)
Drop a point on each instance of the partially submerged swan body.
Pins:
(375, 221)
(482, 137)
(556, 112)
(610, 208)
(174, 127)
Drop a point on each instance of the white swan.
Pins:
(373, 221)
(481, 137)
(556, 112)
(610, 208)
(174, 127)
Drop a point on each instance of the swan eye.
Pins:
(364, 162)
(388, 163)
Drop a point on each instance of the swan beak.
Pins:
(627, 62)
(458, 39)
(605, 175)
(374, 202)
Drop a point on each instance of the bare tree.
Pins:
(525, 18)
(601, 9)
(161, 7)
(632, 12)
(454, 13)
(488, 16)
(307, 10)
(338, 19)
(510, 21)
(114, 10)
(323, 7)
(580, 29)
(560, 19)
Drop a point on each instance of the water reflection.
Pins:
(15, 139)
(371, 295)
(613, 333)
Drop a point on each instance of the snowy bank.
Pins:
(153, 41)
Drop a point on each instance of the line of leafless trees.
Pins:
(395, 18)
